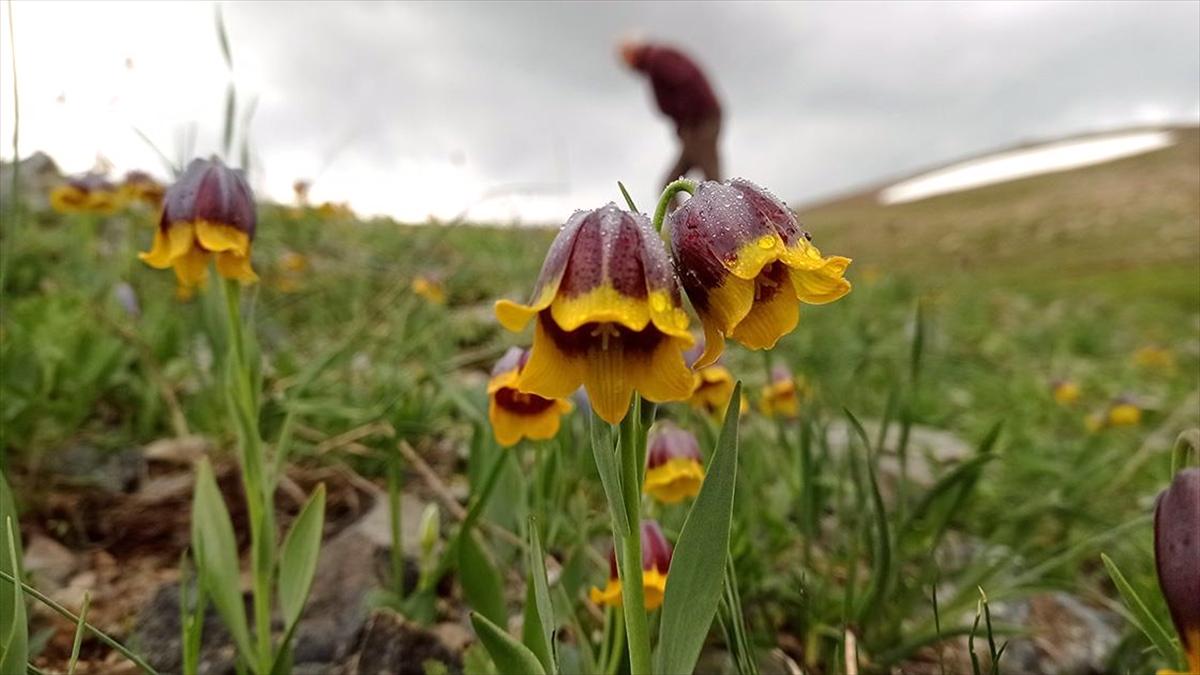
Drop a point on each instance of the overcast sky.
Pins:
(510, 111)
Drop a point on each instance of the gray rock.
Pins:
(392, 646)
(49, 563)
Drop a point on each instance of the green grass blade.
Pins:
(696, 576)
(14, 629)
(78, 640)
(509, 655)
(298, 560)
(1140, 614)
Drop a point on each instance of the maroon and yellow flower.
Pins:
(1177, 560)
(674, 465)
(208, 212)
(711, 389)
(784, 393)
(430, 288)
(1123, 412)
(1065, 392)
(608, 316)
(89, 193)
(140, 186)
(515, 414)
(656, 561)
(746, 265)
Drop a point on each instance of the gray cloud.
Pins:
(821, 97)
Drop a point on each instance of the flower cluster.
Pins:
(607, 306)
(92, 193)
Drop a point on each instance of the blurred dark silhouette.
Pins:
(683, 94)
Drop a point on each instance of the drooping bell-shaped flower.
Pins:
(674, 465)
(1177, 559)
(88, 193)
(515, 414)
(746, 265)
(656, 561)
(608, 315)
(208, 212)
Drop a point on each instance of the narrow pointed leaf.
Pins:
(298, 563)
(14, 629)
(509, 655)
(482, 585)
(696, 576)
(541, 592)
(216, 557)
(606, 465)
(1140, 614)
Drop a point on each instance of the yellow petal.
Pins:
(611, 595)
(674, 480)
(514, 316)
(608, 380)
(550, 372)
(824, 284)
(233, 266)
(169, 246)
(217, 237)
(664, 376)
(654, 587)
(67, 199)
(768, 320)
(602, 304)
(506, 426)
(191, 269)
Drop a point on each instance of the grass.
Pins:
(1059, 276)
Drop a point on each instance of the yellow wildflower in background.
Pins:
(1154, 357)
(1065, 392)
(784, 393)
(90, 193)
(429, 288)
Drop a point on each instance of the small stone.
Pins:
(392, 646)
(49, 562)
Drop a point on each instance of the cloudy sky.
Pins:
(522, 111)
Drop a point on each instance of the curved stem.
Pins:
(669, 192)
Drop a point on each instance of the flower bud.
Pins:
(656, 561)
(1177, 558)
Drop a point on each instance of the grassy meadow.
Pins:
(969, 477)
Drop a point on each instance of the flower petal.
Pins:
(550, 372)
(217, 237)
(773, 315)
(233, 266)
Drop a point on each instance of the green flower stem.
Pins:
(633, 601)
(668, 194)
(259, 498)
(395, 506)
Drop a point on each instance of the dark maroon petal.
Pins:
(608, 248)
(522, 403)
(770, 210)
(1177, 549)
(656, 550)
(670, 442)
(612, 563)
(209, 190)
(555, 264)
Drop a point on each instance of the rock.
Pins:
(928, 448)
(182, 451)
(456, 636)
(392, 646)
(38, 176)
(111, 471)
(49, 562)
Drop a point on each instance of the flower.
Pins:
(515, 414)
(1123, 412)
(674, 466)
(1176, 552)
(1154, 357)
(656, 560)
(783, 394)
(1065, 392)
(429, 288)
(209, 210)
(140, 186)
(745, 263)
(89, 193)
(712, 388)
(608, 316)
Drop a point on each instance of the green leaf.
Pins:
(1140, 614)
(881, 574)
(697, 572)
(531, 626)
(298, 562)
(509, 655)
(541, 593)
(482, 585)
(216, 557)
(606, 465)
(78, 641)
